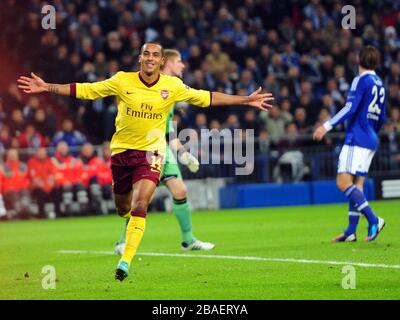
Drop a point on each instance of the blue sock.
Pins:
(357, 199)
(354, 217)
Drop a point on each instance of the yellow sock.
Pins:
(134, 233)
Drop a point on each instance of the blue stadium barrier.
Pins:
(327, 192)
(287, 194)
(264, 195)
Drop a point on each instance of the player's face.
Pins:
(151, 59)
(176, 66)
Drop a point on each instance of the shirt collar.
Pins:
(367, 72)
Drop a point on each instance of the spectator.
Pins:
(291, 140)
(277, 68)
(3, 115)
(327, 103)
(264, 142)
(286, 108)
(5, 138)
(251, 122)
(68, 134)
(290, 58)
(3, 211)
(15, 186)
(43, 125)
(17, 123)
(300, 120)
(393, 95)
(333, 91)
(104, 177)
(200, 122)
(13, 97)
(30, 108)
(92, 165)
(395, 118)
(30, 138)
(217, 60)
(246, 82)
(215, 124)
(72, 198)
(274, 123)
(232, 122)
(42, 175)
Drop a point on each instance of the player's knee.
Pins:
(140, 205)
(180, 193)
(343, 183)
(123, 209)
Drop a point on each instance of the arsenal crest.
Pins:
(164, 94)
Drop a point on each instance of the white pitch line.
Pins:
(204, 256)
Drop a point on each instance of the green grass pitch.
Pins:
(299, 233)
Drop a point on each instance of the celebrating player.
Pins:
(171, 175)
(365, 111)
(138, 145)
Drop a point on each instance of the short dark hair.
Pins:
(369, 57)
(152, 42)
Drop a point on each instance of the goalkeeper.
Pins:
(171, 175)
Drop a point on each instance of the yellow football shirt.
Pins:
(142, 108)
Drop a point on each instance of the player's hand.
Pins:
(319, 133)
(259, 100)
(190, 161)
(32, 85)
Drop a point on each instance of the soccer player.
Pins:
(171, 175)
(138, 145)
(365, 112)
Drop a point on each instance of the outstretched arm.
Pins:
(354, 98)
(256, 99)
(89, 91)
(36, 84)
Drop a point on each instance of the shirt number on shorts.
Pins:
(156, 163)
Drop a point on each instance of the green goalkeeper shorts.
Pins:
(170, 169)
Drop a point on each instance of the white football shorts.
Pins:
(355, 160)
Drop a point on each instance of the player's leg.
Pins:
(182, 212)
(143, 191)
(357, 161)
(373, 230)
(343, 181)
(122, 190)
(354, 214)
(180, 208)
(123, 204)
(143, 175)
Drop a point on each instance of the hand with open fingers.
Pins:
(259, 100)
(319, 133)
(190, 161)
(32, 85)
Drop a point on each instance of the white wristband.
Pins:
(328, 126)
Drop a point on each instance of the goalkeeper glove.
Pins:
(190, 161)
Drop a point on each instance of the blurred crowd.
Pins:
(297, 50)
(58, 185)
